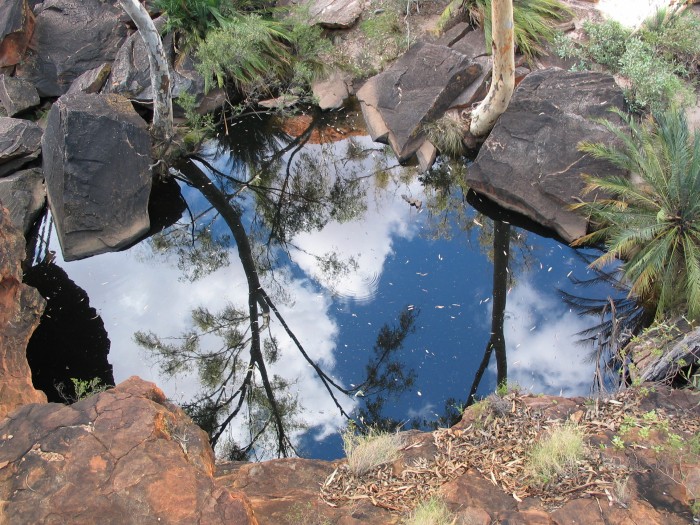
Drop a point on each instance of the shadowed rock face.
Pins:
(530, 163)
(70, 38)
(71, 341)
(20, 310)
(20, 143)
(125, 456)
(96, 154)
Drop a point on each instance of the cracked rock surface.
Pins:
(126, 455)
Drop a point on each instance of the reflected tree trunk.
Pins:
(497, 341)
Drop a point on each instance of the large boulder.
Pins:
(125, 456)
(335, 14)
(71, 37)
(20, 311)
(25, 196)
(416, 89)
(16, 28)
(96, 154)
(20, 143)
(530, 163)
(16, 95)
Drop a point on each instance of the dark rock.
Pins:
(71, 37)
(124, 456)
(99, 204)
(20, 143)
(71, 340)
(91, 81)
(20, 310)
(16, 95)
(16, 28)
(417, 88)
(335, 14)
(530, 163)
(131, 74)
(23, 193)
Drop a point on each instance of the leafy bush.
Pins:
(655, 84)
(655, 59)
(607, 42)
(675, 35)
(653, 226)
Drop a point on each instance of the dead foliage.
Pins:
(496, 444)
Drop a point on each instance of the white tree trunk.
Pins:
(503, 77)
(162, 127)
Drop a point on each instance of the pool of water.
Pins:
(345, 253)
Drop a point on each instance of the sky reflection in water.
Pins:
(399, 264)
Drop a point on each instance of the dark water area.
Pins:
(367, 303)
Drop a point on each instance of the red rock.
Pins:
(579, 511)
(19, 27)
(124, 456)
(20, 310)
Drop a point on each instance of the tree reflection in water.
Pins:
(271, 192)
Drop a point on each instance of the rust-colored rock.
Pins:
(16, 29)
(124, 456)
(20, 310)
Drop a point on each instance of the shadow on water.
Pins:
(316, 275)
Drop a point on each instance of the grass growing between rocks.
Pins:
(446, 134)
(432, 511)
(557, 453)
(367, 451)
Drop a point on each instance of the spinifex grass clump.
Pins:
(367, 451)
(446, 134)
(556, 454)
(432, 511)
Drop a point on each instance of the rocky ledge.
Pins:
(128, 455)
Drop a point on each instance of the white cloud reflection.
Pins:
(541, 355)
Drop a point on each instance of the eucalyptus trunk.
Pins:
(162, 127)
(503, 75)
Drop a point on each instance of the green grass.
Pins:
(364, 452)
(557, 453)
(432, 511)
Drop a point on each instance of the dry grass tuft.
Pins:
(367, 451)
(557, 453)
(432, 511)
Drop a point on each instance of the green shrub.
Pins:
(655, 81)
(675, 35)
(382, 25)
(607, 42)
